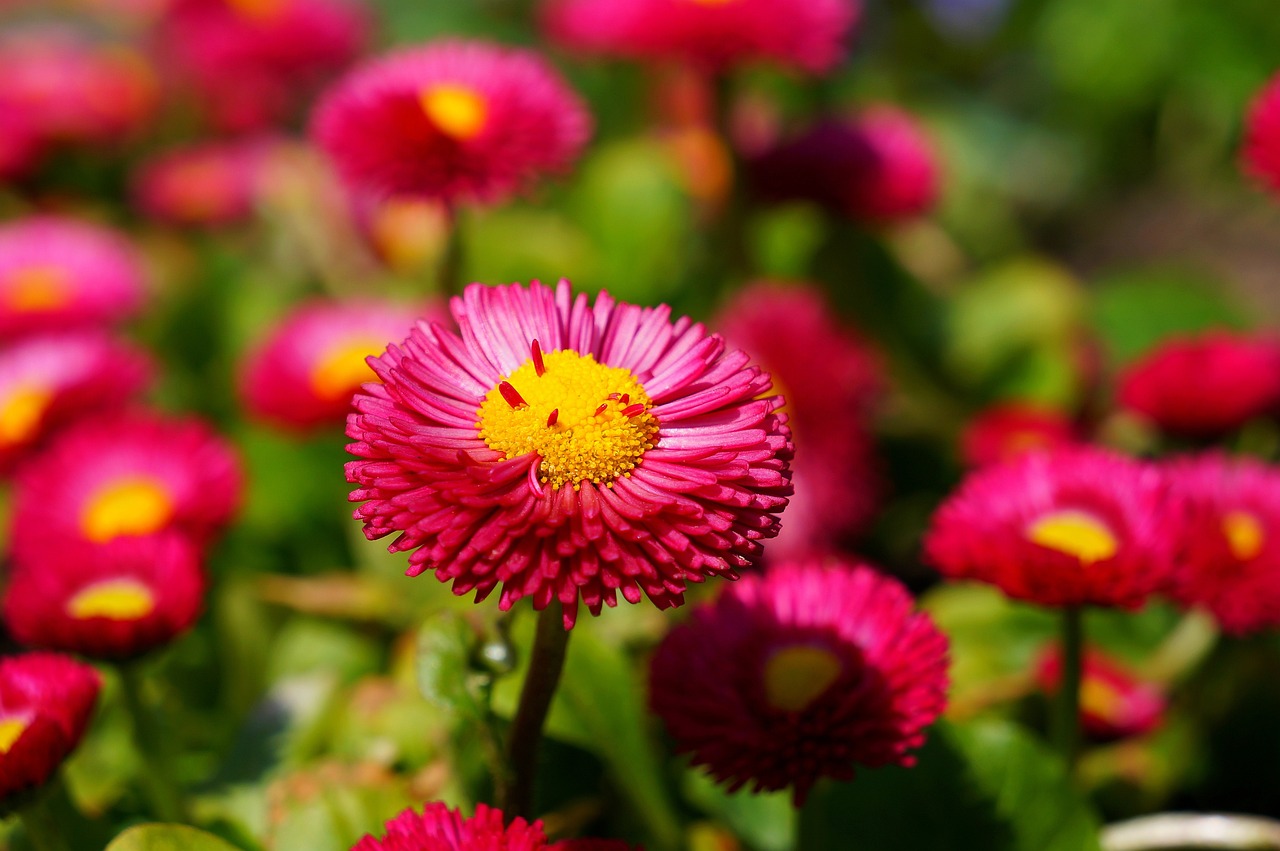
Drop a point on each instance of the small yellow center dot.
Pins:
(1075, 533)
(21, 414)
(341, 372)
(457, 111)
(1244, 533)
(795, 677)
(1101, 698)
(37, 289)
(11, 729)
(258, 10)
(126, 507)
(587, 422)
(115, 599)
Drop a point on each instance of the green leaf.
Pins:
(1136, 310)
(167, 837)
(765, 821)
(445, 675)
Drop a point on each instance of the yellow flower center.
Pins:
(11, 729)
(340, 373)
(258, 10)
(796, 676)
(1101, 698)
(117, 599)
(1244, 533)
(38, 289)
(587, 421)
(1075, 533)
(126, 507)
(457, 111)
(22, 413)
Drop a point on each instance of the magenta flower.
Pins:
(568, 452)
(1114, 702)
(439, 828)
(209, 184)
(1261, 154)
(1006, 430)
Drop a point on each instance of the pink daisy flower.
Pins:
(58, 273)
(832, 382)
(1114, 703)
(209, 184)
(808, 35)
(439, 828)
(128, 475)
(1064, 528)
(306, 371)
(51, 380)
(253, 61)
(112, 601)
(459, 121)
(20, 147)
(800, 674)
(567, 452)
(1227, 539)
(1261, 154)
(1006, 430)
(46, 702)
(878, 167)
(1204, 386)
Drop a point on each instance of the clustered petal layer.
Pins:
(439, 828)
(885, 680)
(698, 503)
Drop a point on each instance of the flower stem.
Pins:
(157, 776)
(545, 664)
(450, 269)
(41, 821)
(1068, 714)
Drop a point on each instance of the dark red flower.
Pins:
(1114, 703)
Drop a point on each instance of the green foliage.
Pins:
(167, 837)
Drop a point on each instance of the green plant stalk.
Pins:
(40, 819)
(1067, 719)
(449, 277)
(157, 777)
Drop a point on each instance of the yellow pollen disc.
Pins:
(457, 111)
(583, 442)
(1101, 698)
(796, 676)
(21, 414)
(11, 729)
(258, 10)
(1074, 533)
(1244, 534)
(117, 599)
(37, 289)
(340, 373)
(133, 506)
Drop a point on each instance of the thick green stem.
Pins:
(40, 819)
(545, 664)
(1068, 709)
(157, 776)
(450, 270)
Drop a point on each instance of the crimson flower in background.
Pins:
(51, 380)
(208, 184)
(808, 35)
(306, 371)
(1114, 703)
(567, 451)
(801, 673)
(46, 702)
(111, 601)
(459, 121)
(20, 147)
(439, 828)
(877, 167)
(58, 273)
(1227, 539)
(1261, 154)
(1006, 430)
(1205, 386)
(1069, 527)
(831, 382)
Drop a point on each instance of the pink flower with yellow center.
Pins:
(1068, 527)
(801, 673)
(808, 35)
(57, 274)
(459, 121)
(306, 371)
(1261, 154)
(46, 701)
(567, 451)
(438, 828)
(1006, 430)
(209, 184)
(1227, 539)
(123, 476)
(48, 381)
(1114, 703)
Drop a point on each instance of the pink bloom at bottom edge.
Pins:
(439, 828)
(801, 673)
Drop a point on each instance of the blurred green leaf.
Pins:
(1134, 311)
(167, 837)
(445, 674)
(765, 821)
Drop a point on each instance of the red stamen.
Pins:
(632, 410)
(600, 410)
(624, 400)
(512, 395)
(612, 397)
(538, 366)
(552, 417)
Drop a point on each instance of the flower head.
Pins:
(50, 380)
(1064, 528)
(809, 35)
(20, 147)
(305, 373)
(46, 701)
(58, 273)
(209, 184)
(439, 828)
(126, 475)
(1004, 431)
(569, 451)
(1227, 539)
(800, 674)
(460, 121)
(1114, 703)
(1261, 155)
(111, 601)
(877, 167)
